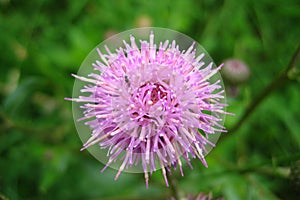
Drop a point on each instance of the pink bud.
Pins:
(235, 71)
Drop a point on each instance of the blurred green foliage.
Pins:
(43, 41)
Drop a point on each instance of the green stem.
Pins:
(174, 187)
(260, 167)
(275, 84)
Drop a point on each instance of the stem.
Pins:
(260, 167)
(275, 84)
(134, 198)
(176, 193)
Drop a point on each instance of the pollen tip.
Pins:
(146, 179)
(83, 148)
(104, 168)
(117, 175)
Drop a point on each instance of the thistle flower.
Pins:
(152, 104)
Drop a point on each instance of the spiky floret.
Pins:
(153, 105)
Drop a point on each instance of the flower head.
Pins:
(152, 104)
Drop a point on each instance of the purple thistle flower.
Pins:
(152, 105)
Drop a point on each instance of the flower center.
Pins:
(158, 92)
(143, 99)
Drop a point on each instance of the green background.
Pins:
(42, 42)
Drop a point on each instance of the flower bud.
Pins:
(143, 21)
(109, 33)
(235, 71)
